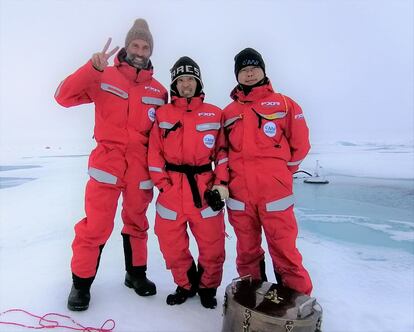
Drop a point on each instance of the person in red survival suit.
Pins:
(186, 138)
(126, 97)
(268, 138)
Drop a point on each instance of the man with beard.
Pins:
(125, 97)
(268, 138)
(186, 138)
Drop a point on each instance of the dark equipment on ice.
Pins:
(261, 306)
(317, 178)
(213, 199)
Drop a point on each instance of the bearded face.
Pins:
(137, 61)
(138, 53)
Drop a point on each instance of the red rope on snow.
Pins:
(45, 322)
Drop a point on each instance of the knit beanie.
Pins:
(139, 30)
(186, 66)
(248, 57)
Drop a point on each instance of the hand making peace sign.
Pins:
(100, 60)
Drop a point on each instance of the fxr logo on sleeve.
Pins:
(299, 116)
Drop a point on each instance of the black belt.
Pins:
(190, 171)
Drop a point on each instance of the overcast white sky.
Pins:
(349, 64)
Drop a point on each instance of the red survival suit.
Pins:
(268, 138)
(125, 104)
(188, 132)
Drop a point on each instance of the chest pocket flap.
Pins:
(208, 126)
(230, 121)
(168, 126)
(273, 116)
(114, 90)
(153, 101)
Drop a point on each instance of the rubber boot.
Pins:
(138, 280)
(136, 276)
(208, 297)
(179, 296)
(79, 296)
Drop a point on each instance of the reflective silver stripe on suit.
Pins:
(102, 176)
(231, 120)
(146, 184)
(235, 205)
(153, 101)
(155, 169)
(280, 204)
(208, 126)
(222, 161)
(113, 89)
(294, 163)
(166, 125)
(165, 213)
(209, 212)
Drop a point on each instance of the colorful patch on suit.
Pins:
(151, 114)
(209, 140)
(269, 129)
(273, 116)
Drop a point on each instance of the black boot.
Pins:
(208, 297)
(180, 296)
(136, 277)
(141, 284)
(79, 295)
(78, 299)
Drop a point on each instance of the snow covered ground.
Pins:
(356, 237)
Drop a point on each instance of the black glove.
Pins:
(213, 199)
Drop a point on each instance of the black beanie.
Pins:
(248, 57)
(186, 66)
